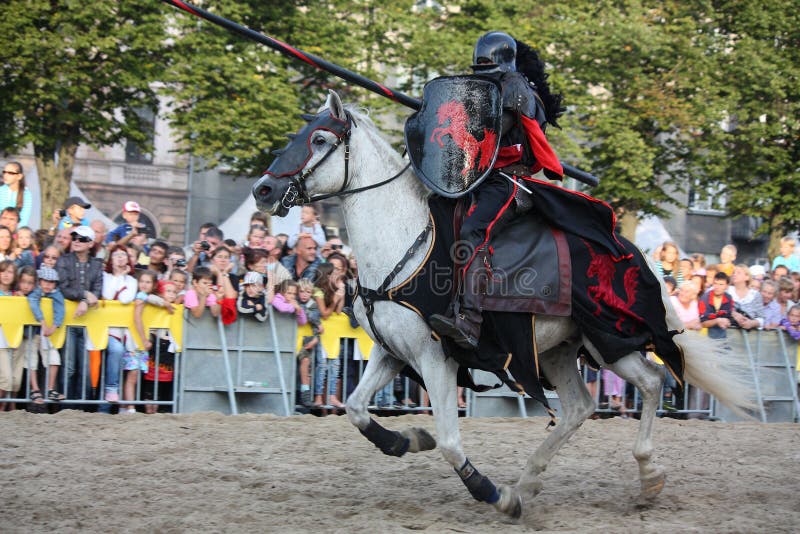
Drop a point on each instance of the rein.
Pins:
(297, 194)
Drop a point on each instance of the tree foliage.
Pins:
(661, 94)
(75, 72)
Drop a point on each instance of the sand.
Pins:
(78, 472)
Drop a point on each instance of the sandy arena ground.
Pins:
(77, 472)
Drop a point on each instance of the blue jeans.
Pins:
(385, 395)
(325, 367)
(114, 353)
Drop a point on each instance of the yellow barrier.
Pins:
(334, 328)
(15, 314)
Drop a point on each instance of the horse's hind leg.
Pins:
(648, 378)
(382, 368)
(560, 367)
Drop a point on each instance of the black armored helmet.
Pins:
(495, 52)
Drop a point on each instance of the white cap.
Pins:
(131, 206)
(757, 270)
(84, 231)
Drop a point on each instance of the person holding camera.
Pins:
(122, 234)
(72, 214)
(200, 249)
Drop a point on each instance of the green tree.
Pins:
(75, 72)
(756, 156)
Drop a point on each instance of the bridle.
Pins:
(297, 193)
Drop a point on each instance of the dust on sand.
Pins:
(79, 472)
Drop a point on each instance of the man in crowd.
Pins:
(157, 256)
(716, 307)
(80, 280)
(211, 238)
(772, 310)
(333, 244)
(63, 240)
(99, 249)
(304, 262)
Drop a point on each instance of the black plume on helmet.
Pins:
(529, 64)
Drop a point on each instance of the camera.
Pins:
(180, 263)
(62, 213)
(205, 245)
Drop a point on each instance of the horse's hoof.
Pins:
(651, 487)
(510, 502)
(419, 439)
(531, 488)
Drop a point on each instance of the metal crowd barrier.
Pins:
(84, 386)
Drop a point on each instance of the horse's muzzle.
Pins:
(274, 196)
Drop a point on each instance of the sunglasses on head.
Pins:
(336, 247)
(83, 239)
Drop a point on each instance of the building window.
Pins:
(709, 200)
(134, 152)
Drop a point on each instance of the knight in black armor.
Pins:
(528, 106)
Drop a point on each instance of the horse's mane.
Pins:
(361, 118)
(529, 64)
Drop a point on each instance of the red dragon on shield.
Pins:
(456, 116)
(603, 267)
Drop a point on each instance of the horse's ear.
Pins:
(334, 104)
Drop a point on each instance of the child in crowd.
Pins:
(181, 279)
(671, 285)
(48, 280)
(285, 301)
(201, 295)
(252, 299)
(791, 323)
(787, 256)
(726, 258)
(307, 295)
(716, 307)
(26, 247)
(73, 213)
(8, 275)
(161, 370)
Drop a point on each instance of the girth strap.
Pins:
(370, 296)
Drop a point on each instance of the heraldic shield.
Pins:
(453, 139)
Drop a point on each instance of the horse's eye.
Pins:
(318, 140)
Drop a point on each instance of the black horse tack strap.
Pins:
(480, 487)
(383, 292)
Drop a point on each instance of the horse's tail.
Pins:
(710, 366)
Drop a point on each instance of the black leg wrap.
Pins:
(480, 487)
(389, 442)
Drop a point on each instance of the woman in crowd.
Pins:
(119, 285)
(669, 264)
(7, 245)
(227, 285)
(13, 192)
(748, 304)
(260, 261)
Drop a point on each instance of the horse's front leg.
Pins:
(440, 380)
(382, 368)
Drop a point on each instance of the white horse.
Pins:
(385, 209)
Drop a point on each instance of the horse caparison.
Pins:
(382, 222)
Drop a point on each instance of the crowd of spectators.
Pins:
(716, 297)
(82, 261)
(304, 274)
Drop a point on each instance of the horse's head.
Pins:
(298, 171)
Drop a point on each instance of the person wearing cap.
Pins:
(48, 287)
(126, 231)
(252, 300)
(81, 280)
(73, 214)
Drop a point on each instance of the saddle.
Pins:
(527, 264)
